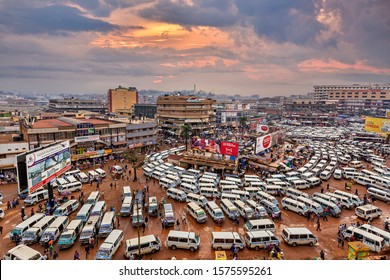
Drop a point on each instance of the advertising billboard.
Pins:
(208, 145)
(378, 125)
(263, 143)
(88, 138)
(229, 148)
(261, 128)
(46, 164)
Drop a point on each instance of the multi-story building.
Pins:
(89, 138)
(8, 151)
(75, 104)
(141, 134)
(145, 110)
(308, 105)
(122, 98)
(173, 111)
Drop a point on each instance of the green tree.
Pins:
(186, 130)
(242, 120)
(135, 158)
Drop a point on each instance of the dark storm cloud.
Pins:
(366, 28)
(283, 20)
(56, 19)
(215, 13)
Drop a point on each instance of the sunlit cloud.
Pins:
(334, 66)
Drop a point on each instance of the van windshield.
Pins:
(29, 234)
(66, 236)
(104, 252)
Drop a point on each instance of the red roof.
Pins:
(49, 123)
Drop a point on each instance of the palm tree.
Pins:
(135, 158)
(186, 130)
(242, 120)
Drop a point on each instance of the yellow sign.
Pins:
(378, 125)
(388, 114)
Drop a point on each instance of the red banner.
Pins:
(229, 148)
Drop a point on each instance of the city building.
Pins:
(173, 111)
(122, 98)
(145, 110)
(142, 134)
(75, 104)
(8, 151)
(355, 91)
(89, 137)
(308, 105)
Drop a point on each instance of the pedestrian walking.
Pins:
(322, 255)
(339, 239)
(111, 185)
(183, 218)
(1, 229)
(327, 187)
(342, 243)
(146, 220)
(55, 255)
(143, 227)
(51, 250)
(178, 224)
(322, 190)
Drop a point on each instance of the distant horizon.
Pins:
(268, 48)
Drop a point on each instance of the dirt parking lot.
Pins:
(327, 237)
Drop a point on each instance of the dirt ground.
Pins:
(327, 237)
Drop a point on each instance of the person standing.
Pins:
(76, 255)
(318, 225)
(86, 251)
(55, 255)
(1, 229)
(322, 255)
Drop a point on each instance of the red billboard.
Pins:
(229, 148)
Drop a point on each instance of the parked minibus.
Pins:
(196, 212)
(70, 234)
(260, 239)
(183, 240)
(54, 230)
(22, 252)
(93, 197)
(298, 236)
(295, 206)
(223, 240)
(379, 194)
(66, 208)
(108, 224)
(110, 245)
(229, 209)
(147, 244)
(34, 233)
(260, 224)
(215, 211)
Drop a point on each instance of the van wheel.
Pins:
(192, 249)
(300, 213)
(219, 248)
(285, 208)
(154, 251)
(257, 248)
(311, 244)
(348, 239)
(294, 244)
(173, 247)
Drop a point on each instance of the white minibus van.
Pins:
(311, 205)
(99, 209)
(245, 211)
(83, 178)
(210, 192)
(107, 224)
(368, 211)
(294, 193)
(295, 206)
(93, 198)
(126, 206)
(110, 245)
(54, 230)
(176, 194)
(183, 240)
(147, 244)
(215, 212)
(259, 211)
(187, 188)
(198, 199)
(84, 213)
(229, 209)
(223, 240)
(70, 187)
(36, 197)
(298, 236)
(196, 212)
(66, 208)
(25, 225)
(379, 194)
(355, 199)
(126, 192)
(265, 196)
(260, 239)
(261, 224)
(237, 181)
(22, 252)
(34, 233)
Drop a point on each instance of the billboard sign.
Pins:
(88, 138)
(261, 128)
(208, 145)
(229, 148)
(378, 125)
(263, 143)
(46, 164)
